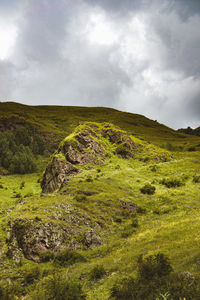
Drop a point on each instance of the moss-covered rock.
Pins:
(91, 143)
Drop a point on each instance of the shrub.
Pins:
(31, 275)
(171, 182)
(154, 266)
(155, 280)
(123, 151)
(191, 149)
(117, 219)
(46, 256)
(148, 283)
(148, 189)
(124, 289)
(18, 195)
(58, 287)
(68, 257)
(141, 210)
(97, 272)
(89, 178)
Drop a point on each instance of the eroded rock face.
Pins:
(92, 239)
(57, 173)
(28, 238)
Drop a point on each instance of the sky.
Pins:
(139, 56)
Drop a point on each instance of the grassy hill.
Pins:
(116, 208)
(56, 122)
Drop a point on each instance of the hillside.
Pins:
(191, 131)
(108, 215)
(55, 122)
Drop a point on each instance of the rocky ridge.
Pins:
(91, 143)
(64, 226)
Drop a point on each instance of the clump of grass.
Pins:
(141, 210)
(68, 257)
(117, 220)
(46, 256)
(148, 189)
(153, 168)
(97, 272)
(89, 178)
(134, 221)
(80, 198)
(59, 287)
(22, 185)
(31, 275)
(196, 179)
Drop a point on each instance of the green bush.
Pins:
(97, 272)
(155, 279)
(46, 256)
(154, 266)
(117, 219)
(68, 257)
(89, 178)
(123, 151)
(124, 289)
(141, 210)
(149, 282)
(148, 189)
(58, 287)
(171, 182)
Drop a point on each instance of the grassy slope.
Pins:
(61, 121)
(171, 221)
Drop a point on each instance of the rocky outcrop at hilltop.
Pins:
(91, 143)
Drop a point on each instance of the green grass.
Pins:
(169, 223)
(56, 122)
(166, 226)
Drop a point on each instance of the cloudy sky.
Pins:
(141, 56)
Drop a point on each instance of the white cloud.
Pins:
(142, 58)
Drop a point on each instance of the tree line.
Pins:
(18, 150)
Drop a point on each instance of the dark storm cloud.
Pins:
(139, 56)
(119, 6)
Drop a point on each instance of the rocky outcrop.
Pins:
(130, 207)
(56, 174)
(29, 238)
(91, 143)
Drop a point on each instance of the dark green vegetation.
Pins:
(121, 219)
(191, 131)
(17, 150)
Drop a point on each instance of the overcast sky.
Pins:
(141, 56)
